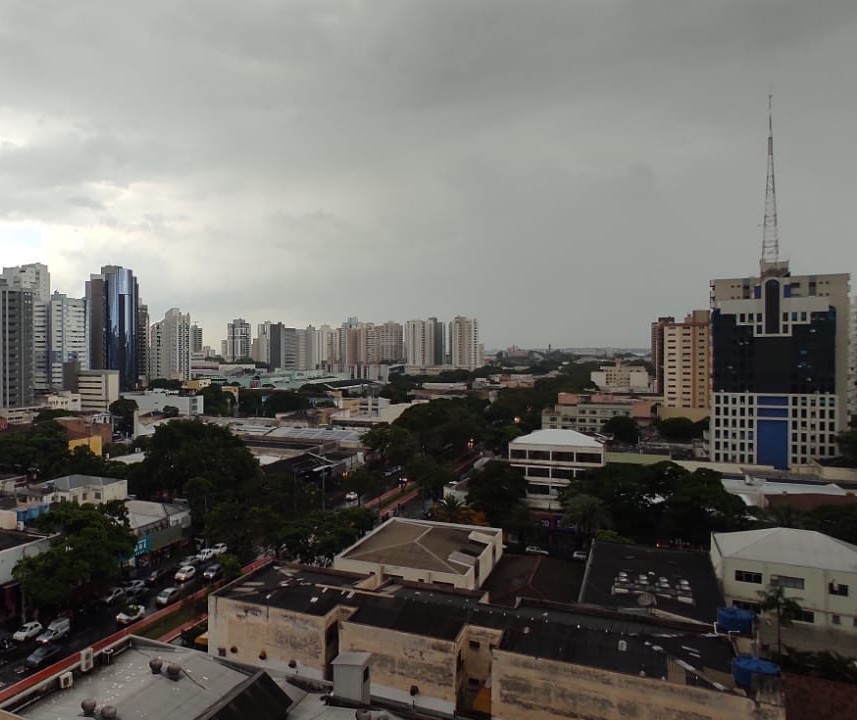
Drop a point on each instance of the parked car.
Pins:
(351, 496)
(113, 595)
(185, 573)
(213, 572)
(579, 555)
(536, 550)
(205, 554)
(27, 631)
(159, 574)
(167, 596)
(44, 655)
(56, 629)
(132, 585)
(130, 614)
(188, 560)
(220, 548)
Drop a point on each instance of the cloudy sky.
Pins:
(564, 171)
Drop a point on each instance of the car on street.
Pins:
(44, 655)
(130, 614)
(159, 574)
(167, 596)
(205, 554)
(188, 572)
(134, 585)
(213, 572)
(27, 631)
(188, 560)
(113, 595)
(220, 548)
(56, 629)
(536, 550)
(579, 555)
(351, 496)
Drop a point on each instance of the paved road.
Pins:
(86, 629)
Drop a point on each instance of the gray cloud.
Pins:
(563, 171)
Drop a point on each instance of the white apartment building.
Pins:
(465, 352)
(621, 378)
(150, 401)
(686, 363)
(818, 571)
(852, 378)
(169, 347)
(238, 340)
(424, 343)
(67, 335)
(35, 278)
(550, 459)
(98, 389)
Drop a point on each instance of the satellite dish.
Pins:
(646, 599)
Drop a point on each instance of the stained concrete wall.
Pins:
(282, 635)
(401, 660)
(527, 688)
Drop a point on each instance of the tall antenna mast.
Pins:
(770, 260)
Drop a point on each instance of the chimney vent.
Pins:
(174, 672)
(88, 707)
(155, 665)
(108, 712)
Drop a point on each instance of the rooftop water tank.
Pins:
(732, 619)
(745, 666)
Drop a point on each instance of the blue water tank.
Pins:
(732, 619)
(745, 666)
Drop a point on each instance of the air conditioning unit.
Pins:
(66, 680)
(86, 659)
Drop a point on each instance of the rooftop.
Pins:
(681, 583)
(71, 482)
(557, 437)
(423, 545)
(206, 689)
(13, 538)
(788, 546)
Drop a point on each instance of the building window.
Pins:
(518, 454)
(748, 577)
(837, 589)
(806, 616)
(474, 645)
(835, 619)
(755, 607)
(539, 455)
(787, 581)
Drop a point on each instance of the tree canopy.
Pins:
(624, 429)
(498, 490)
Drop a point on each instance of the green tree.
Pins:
(429, 475)
(587, 512)
(41, 450)
(781, 515)
(84, 462)
(847, 442)
(123, 409)
(216, 402)
(498, 490)
(365, 482)
(785, 609)
(165, 384)
(624, 429)
(231, 567)
(680, 429)
(393, 444)
(170, 411)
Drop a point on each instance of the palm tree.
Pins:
(449, 509)
(785, 608)
(588, 512)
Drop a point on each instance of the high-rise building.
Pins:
(260, 348)
(142, 343)
(779, 367)
(306, 348)
(67, 336)
(658, 350)
(852, 383)
(238, 340)
(195, 339)
(686, 367)
(16, 346)
(465, 352)
(390, 343)
(112, 303)
(35, 278)
(169, 347)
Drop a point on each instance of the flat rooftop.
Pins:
(206, 688)
(665, 580)
(14, 538)
(422, 545)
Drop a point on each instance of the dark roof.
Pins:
(345, 384)
(682, 581)
(534, 576)
(805, 502)
(10, 539)
(811, 697)
(258, 697)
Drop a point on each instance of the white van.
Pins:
(58, 628)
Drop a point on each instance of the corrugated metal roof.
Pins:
(788, 546)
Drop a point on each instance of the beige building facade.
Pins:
(687, 366)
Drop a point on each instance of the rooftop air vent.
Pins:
(108, 712)
(155, 665)
(174, 672)
(88, 706)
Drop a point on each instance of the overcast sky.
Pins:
(564, 171)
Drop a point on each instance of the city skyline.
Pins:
(571, 158)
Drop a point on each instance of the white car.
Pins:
(27, 631)
(205, 554)
(167, 596)
(185, 573)
(113, 595)
(220, 549)
(351, 496)
(536, 550)
(130, 614)
(579, 555)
